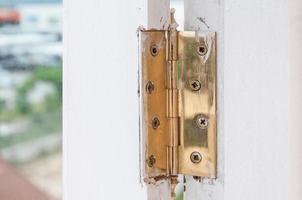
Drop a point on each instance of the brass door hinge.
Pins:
(178, 103)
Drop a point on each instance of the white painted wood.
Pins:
(256, 103)
(158, 14)
(209, 11)
(100, 99)
(159, 191)
(295, 100)
(252, 97)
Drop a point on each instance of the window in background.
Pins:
(30, 98)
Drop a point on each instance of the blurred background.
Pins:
(30, 99)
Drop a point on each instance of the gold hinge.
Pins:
(178, 92)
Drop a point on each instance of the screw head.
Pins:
(150, 87)
(154, 50)
(197, 178)
(151, 161)
(195, 85)
(202, 122)
(196, 157)
(202, 49)
(155, 123)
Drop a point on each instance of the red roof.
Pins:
(14, 187)
(9, 15)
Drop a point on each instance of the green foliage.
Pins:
(48, 74)
(2, 105)
(41, 125)
(52, 75)
(179, 196)
(44, 118)
(8, 115)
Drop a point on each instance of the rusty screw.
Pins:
(202, 49)
(150, 87)
(202, 122)
(155, 123)
(154, 50)
(196, 157)
(151, 161)
(197, 178)
(195, 85)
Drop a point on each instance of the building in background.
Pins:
(41, 18)
(31, 93)
(9, 16)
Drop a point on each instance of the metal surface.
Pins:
(151, 161)
(202, 49)
(197, 136)
(149, 87)
(196, 157)
(201, 121)
(155, 123)
(154, 70)
(195, 85)
(178, 84)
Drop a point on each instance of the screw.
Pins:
(151, 161)
(149, 87)
(202, 122)
(195, 85)
(197, 178)
(196, 157)
(202, 49)
(154, 50)
(155, 123)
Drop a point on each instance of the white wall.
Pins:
(295, 99)
(100, 105)
(255, 99)
(100, 100)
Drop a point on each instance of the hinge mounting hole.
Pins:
(155, 123)
(202, 49)
(195, 85)
(154, 50)
(150, 87)
(201, 121)
(196, 157)
(151, 161)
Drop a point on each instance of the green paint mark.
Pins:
(178, 70)
(180, 196)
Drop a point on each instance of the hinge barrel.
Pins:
(172, 88)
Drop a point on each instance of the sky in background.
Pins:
(17, 2)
